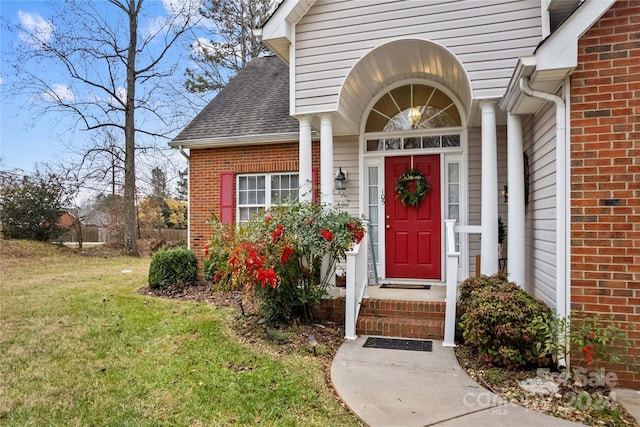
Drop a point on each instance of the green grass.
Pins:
(80, 347)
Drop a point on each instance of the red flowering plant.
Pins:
(287, 255)
(217, 250)
(593, 341)
(356, 230)
(236, 259)
(598, 341)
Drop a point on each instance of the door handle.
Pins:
(388, 226)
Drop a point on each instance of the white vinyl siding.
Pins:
(503, 208)
(345, 156)
(475, 186)
(475, 193)
(486, 36)
(539, 137)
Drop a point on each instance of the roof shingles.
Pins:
(254, 102)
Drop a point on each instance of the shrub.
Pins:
(279, 256)
(208, 270)
(598, 341)
(497, 320)
(176, 266)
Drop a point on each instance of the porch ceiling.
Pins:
(394, 62)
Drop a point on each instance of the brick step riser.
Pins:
(405, 309)
(400, 327)
(402, 314)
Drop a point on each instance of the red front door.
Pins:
(412, 234)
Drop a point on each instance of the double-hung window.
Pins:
(257, 192)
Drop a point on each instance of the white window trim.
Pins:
(267, 178)
(463, 205)
(376, 162)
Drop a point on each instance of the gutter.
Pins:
(236, 140)
(562, 204)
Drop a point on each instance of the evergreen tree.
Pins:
(31, 207)
(231, 43)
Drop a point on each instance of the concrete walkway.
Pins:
(387, 388)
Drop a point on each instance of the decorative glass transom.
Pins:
(413, 107)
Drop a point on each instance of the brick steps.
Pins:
(407, 319)
(405, 327)
(398, 318)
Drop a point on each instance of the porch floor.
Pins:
(436, 293)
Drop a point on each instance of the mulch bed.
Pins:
(580, 403)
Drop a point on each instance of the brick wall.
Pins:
(205, 166)
(605, 176)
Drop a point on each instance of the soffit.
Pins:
(277, 32)
(394, 62)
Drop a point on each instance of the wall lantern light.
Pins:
(340, 181)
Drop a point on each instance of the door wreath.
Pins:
(407, 196)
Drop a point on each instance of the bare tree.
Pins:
(231, 43)
(102, 163)
(117, 75)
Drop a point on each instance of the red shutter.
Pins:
(227, 197)
(315, 194)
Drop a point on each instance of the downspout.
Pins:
(562, 195)
(186, 156)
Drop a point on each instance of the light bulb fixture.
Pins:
(313, 343)
(238, 299)
(263, 322)
(340, 181)
(414, 115)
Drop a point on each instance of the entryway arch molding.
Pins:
(397, 62)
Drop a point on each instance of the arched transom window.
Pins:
(412, 107)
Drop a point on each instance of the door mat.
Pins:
(405, 286)
(398, 344)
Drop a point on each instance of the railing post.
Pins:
(452, 284)
(350, 298)
(364, 277)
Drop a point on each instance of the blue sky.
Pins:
(22, 145)
(26, 140)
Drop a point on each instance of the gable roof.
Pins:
(253, 107)
(553, 60)
(277, 31)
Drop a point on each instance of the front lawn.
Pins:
(80, 346)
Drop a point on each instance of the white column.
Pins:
(489, 215)
(305, 160)
(516, 217)
(326, 159)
